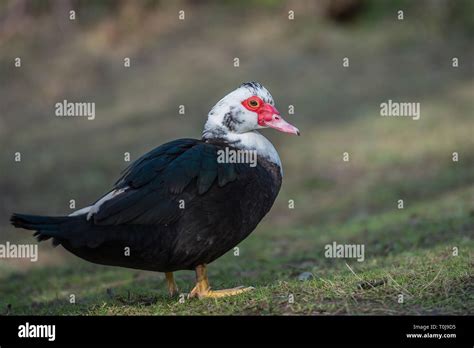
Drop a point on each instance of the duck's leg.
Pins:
(172, 287)
(202, 288)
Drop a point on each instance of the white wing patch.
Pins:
(81, 211)
(93, 209)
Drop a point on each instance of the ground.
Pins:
(418, 260)
(411, 253)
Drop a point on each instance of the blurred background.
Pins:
(191, 62)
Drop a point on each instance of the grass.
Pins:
(408, 252)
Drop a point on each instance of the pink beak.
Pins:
(270, 117)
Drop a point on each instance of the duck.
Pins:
(185, 203)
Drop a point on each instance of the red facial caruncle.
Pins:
(268, 115)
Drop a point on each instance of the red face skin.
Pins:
(268, 116)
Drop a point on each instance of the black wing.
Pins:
(155, 185)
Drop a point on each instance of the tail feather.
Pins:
(46, 227)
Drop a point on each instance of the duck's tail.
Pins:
(46, 227)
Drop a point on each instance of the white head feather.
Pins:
(230, 121)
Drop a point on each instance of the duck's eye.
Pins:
(253, 103)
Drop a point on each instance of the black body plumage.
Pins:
(177, 208)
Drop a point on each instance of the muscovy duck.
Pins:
(185, 203)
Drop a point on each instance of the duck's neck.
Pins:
(247, 141)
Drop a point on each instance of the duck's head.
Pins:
(248, 108)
